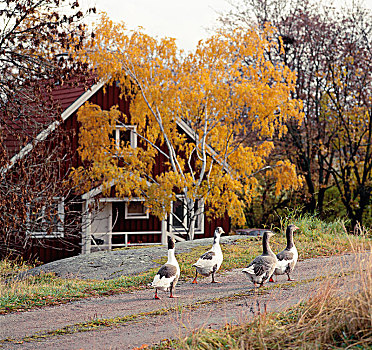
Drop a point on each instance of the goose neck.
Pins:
(289, 235)
(266, 246)
(171, 256)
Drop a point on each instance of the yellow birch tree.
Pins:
(193, 111)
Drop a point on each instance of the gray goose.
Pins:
(167, 277)
(287, 259)
(209, 263)
(262, 267)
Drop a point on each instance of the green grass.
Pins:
(314, 239)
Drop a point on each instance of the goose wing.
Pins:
(206, 260)
(165, 276)
(285, 255)
(167, 271)
(286, 261)
(260, 266)
(208, 255)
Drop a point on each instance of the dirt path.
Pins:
(141, 319)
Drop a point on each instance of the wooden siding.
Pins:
(134, 225)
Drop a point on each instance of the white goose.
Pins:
(167, 276)
(262, 267)
(209, 263)
(287, 259)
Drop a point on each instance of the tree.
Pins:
(348, 108)
(319, 42)
(35, 40)
(213, 93)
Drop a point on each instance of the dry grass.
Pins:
(332, 319)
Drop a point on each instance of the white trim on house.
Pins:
(133, 134)
(45, 133)
(117, 199)
(96, 191)
(139, 215)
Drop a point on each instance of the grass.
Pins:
(47, 289)
(331, 319)
(315, 239)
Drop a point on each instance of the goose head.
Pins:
(171, 242)
(292, 228)
(267, 235)
(218, 232)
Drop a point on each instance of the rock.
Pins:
(106, 265)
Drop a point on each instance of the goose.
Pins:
(287, 258)
(167, 276)
(263, 266)
(209, 263)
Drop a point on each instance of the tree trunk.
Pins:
(191, 218)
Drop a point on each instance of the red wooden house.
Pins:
(116, 222)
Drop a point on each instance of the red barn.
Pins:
(116, 222)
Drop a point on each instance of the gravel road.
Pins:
(204, 304)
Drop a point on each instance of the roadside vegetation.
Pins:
(315, 238)
(329, 320)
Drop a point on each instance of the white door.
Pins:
(101, 227)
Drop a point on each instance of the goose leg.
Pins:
(214, 270)
(171, 292)
(271, 278)
(156, 294)
(213, 280)
(289, 278)
(196, 275)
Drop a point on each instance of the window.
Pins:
(179, 214)
(136, 210)
(126, 134)
(179, 218)
(46, 221)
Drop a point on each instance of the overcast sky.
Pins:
(185, 20)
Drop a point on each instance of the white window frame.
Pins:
(200, 219)
(133, 134)
(133, 216)
(60, 225)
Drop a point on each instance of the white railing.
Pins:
(107, 237)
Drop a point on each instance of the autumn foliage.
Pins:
(192, 111)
